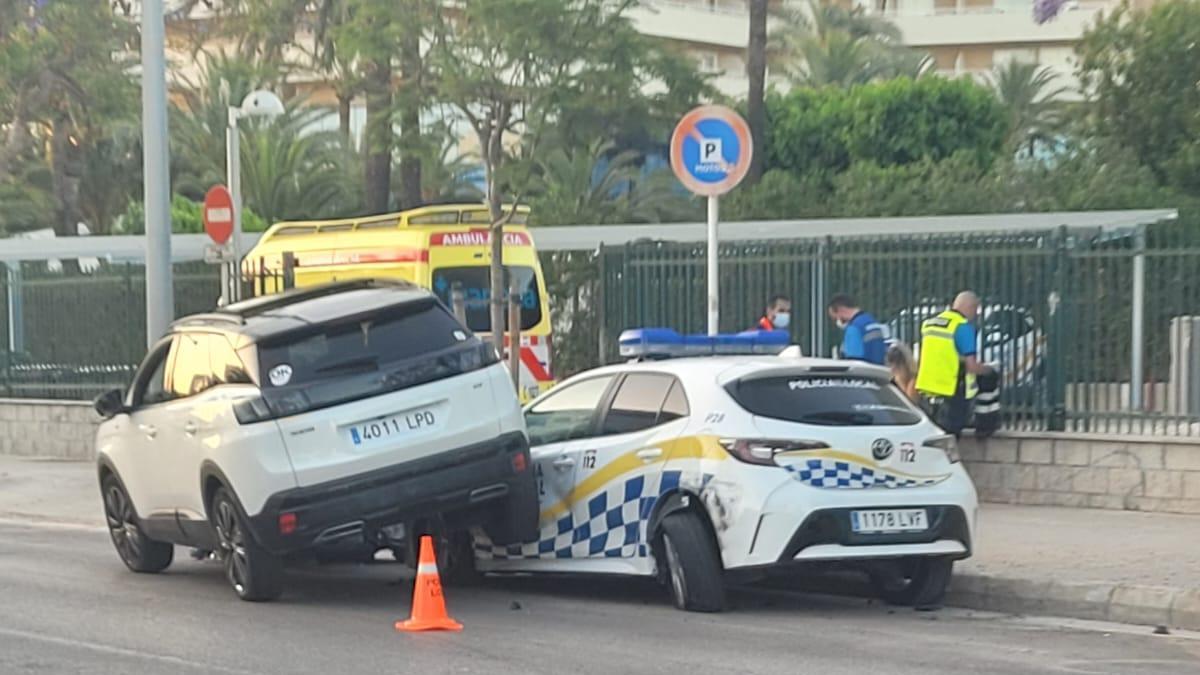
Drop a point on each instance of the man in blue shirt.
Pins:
(864, 338)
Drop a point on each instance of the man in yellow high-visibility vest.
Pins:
(948, 363)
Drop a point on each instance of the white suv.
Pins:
(300, 421)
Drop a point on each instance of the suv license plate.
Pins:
(891, 520)
(392, 426)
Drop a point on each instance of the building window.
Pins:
(710, 62)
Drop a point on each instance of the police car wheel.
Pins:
(456, 559)
(919, 582)
(692, 564)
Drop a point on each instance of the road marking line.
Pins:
(122, 651)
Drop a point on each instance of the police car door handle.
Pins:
(149, 429)
(649, 454)
(189, 428)
(563, 463)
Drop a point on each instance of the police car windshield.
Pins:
(825, 400)
(477, 293)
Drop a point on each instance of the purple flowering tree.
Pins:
(1045, 10)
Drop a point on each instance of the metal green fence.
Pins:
(1073, 318)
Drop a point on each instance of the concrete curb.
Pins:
(1096, 601)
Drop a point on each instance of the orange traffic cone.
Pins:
(428, 605)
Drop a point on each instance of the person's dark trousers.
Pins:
(951, 414)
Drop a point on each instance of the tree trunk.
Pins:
(756, 70)
(66, 171)
(490, 149)
(410, 103)
(343, 102)
(377, 141)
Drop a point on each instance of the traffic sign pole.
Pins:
(714, 290)
(711, 151)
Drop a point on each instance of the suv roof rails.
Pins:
(256, 306)
(207, 318)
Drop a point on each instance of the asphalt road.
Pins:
(67, 605)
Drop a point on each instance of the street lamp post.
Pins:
(160, 305)
(256, 104)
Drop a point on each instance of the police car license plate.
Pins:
(891, 520)
(393, 427)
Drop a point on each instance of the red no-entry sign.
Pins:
(218, 214)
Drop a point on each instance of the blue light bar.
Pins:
(664, 343)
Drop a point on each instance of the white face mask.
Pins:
(782, 319)
(841, 324)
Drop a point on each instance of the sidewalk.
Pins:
(1118, 566)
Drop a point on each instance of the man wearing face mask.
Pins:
(948, 365)
(863, 338)
(778, 315)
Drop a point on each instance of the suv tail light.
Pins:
(762, 451)
(251, 411)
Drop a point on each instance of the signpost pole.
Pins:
(233, 179)
(711, 149)
(714, 290)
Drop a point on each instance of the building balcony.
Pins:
(935, 23)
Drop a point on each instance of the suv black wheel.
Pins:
(919, 582)
(255, 574)
(693, 565)
(137, 551)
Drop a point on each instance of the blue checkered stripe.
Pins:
(612, 526)
(828, 473)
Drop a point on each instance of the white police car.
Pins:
(692, 468)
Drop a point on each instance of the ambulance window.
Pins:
(476, 289)
(636, 405)
(567, 413)
(675, 406)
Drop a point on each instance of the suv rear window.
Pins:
(477, 293)
(837, 400)
(360, 345)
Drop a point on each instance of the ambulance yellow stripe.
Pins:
(843, 456)
(687, 447)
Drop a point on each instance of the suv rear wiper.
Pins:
(844, 417)
(361, 364)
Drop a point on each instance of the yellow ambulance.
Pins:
(437, 247)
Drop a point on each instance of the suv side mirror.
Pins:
(110, 403)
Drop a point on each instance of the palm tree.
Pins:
(290, 166)
(1029, 94)
(829, 44)
(599, 184)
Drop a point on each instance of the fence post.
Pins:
(16, 310)
(602, 310)
(817, 296)
(1137, 347)
(1058, 385)
(458, 302)
(289, 270)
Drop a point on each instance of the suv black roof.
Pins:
(272, 314)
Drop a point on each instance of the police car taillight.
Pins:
(664, 343)
(763, 451)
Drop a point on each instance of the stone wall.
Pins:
(56, 429)
(1133, 473)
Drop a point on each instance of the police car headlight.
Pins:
(946, 444)
(762, 451)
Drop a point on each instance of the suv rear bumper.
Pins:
(481, 480)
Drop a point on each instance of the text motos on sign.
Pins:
(218, 214)
(711, 150)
